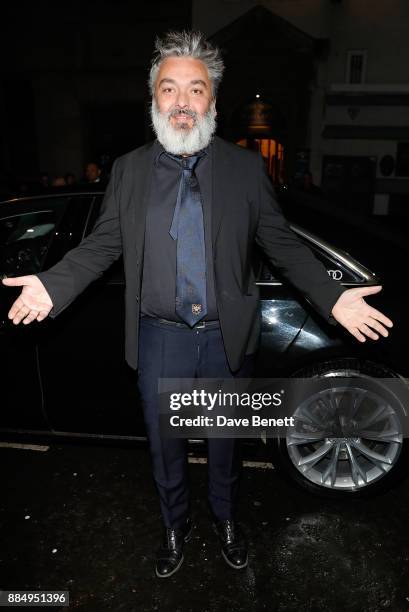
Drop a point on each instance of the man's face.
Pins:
(92, 172)
(183, 84)
(183, 107)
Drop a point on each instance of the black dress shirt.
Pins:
(159, 265)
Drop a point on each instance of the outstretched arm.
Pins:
(288, 254)
(298, 264)
(51, 291)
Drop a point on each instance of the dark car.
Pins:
(56, 385)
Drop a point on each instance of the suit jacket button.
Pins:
(137, 298)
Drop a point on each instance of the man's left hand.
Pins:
(357, 316)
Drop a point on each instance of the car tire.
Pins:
(287, 458)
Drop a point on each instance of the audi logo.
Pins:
(335, 274)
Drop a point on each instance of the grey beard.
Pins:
(183, 141)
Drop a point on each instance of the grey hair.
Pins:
(187, 44)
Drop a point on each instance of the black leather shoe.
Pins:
(169, 556)
(234, 545)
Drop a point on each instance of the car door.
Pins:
(29, 230)
(88, 387)
(282, 317)
(290, 325)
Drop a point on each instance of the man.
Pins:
(186, 211)
(93, 173)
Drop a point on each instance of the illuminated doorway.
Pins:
(273, 154)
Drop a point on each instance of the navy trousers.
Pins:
(167, 351)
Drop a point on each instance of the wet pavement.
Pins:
(86, 519)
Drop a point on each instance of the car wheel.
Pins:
(366, 457)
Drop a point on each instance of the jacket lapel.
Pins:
(140, 189)
(220, 173)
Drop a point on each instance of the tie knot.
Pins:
(188, 162)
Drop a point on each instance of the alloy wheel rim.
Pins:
(345, 437)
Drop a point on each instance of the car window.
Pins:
(27, 230)
(71, 228)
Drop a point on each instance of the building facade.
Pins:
(316, 85)
(336, 74)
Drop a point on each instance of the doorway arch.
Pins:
(259, 125)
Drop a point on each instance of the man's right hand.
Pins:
(33, 303)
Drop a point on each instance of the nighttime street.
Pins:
(204, 219)
(86, 520)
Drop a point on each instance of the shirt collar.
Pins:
(160, 150)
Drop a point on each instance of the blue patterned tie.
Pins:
(188, 228)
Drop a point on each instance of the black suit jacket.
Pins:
(244, 212)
